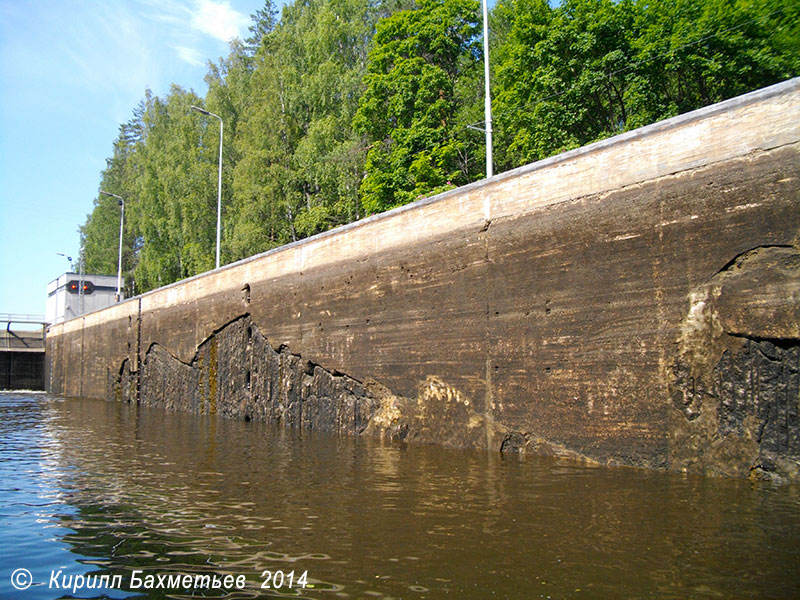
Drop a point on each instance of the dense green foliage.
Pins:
(590, 69)
(410, 102)
(343, 108)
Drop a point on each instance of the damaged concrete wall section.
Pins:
(634, 302)
(238, 374)
(736, 378)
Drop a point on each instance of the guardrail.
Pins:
(22, 318)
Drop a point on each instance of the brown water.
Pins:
(101, 487)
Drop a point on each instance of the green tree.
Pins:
(409, 106)
(689, 54)
(301, 162)
(264, 21)
(589, 69)
(561, 77)
(100, 233)
(175, 210)
(292, 162)
(230, 96)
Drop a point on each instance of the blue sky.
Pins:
(70, 72)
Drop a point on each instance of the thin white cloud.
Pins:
(175, 13)
(219, 20)
(191, 24)
(190, 55)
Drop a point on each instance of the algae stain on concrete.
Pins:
(212, 376)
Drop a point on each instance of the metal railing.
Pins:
(22, 318)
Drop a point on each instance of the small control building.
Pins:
(72, 294)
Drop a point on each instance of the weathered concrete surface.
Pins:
(610, 303)
(735, 378)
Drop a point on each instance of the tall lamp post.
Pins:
(66, 304)
(219, 189)
(121, 221)
(487, 96)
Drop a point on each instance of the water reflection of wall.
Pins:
(171, 491)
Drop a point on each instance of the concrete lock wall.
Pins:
(636, 301)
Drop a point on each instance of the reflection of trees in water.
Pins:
(118, 540)
(151, 497)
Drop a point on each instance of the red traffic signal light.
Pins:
(74, 287)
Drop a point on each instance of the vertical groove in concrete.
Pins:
(82, 356)
(138, 363)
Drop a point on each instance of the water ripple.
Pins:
(92, 487)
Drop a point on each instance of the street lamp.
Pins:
(219, 191)
(121, 221)
(487, 95)
(80, 286)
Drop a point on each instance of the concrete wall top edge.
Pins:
(760, 120)
(103, 315)
(779, 89)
